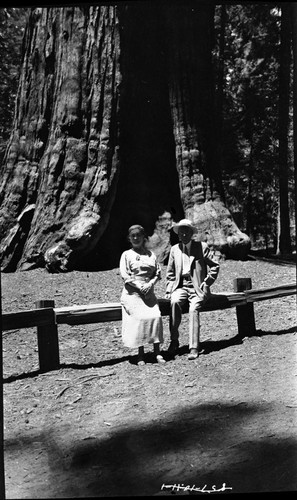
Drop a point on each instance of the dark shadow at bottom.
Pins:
(209, 444)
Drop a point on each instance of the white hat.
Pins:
(184, 223)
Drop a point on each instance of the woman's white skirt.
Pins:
(141, 318)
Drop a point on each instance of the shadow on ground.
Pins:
(206, 348)
(209, 444)
(216, 345)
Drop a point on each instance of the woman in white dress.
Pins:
(141, 316)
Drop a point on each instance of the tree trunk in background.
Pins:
(283, 237)
(114, 126)
(250, 189)
(189, 33)
(220, 95)
(63, 155)
(293, 7)
(148, 190)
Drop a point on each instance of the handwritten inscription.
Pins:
(181, 487)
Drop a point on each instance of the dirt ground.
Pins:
(102, 426)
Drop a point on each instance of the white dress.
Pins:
(141, 316)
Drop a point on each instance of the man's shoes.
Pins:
(140, 361)
(193, 354)
(173, 347)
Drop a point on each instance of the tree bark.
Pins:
(293, 7)
(113, 126)
(284, 239)
(220, 95)
(191, 95)
(63, 153)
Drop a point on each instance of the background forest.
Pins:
(253, 73)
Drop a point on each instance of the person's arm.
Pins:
(126, 272)
(157, 275)
(154, 280)
(170, 275)
(213, 267)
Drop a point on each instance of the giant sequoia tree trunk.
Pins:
(190, 78)
(114, 125)
(62, 161)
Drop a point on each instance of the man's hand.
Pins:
(204, 287)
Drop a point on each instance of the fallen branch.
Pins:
(77, 381)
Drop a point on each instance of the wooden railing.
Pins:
(46, 317)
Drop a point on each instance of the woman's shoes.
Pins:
(160, 359)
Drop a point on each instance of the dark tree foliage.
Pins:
(12, 25)
(250, 139)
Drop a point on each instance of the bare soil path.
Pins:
(102, 426)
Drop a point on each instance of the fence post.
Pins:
(245, 314)
(48, 342)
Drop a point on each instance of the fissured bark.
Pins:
(114, 126)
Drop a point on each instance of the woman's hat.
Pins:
(184, 223)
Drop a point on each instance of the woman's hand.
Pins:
(146, 287)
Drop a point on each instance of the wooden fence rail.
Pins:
(28, 319)
(46, 316)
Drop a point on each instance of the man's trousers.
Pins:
(179, 297)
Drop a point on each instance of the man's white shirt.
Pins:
(186, 258)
